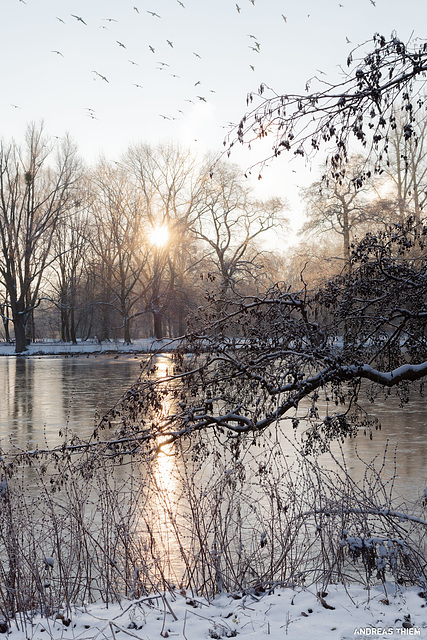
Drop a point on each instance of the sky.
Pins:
(116, 72)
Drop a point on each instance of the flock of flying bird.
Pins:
(162, 66)
(253, 45)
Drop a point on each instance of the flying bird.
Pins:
(197, 55)
(15, 106)
(136, 9)
(181, 3)
(253, 2)
(133, 62)
(202, 98)
(347, 40)
(151, 48)
(164, 117)
(110, 19)
(251, 36)
(154, 14)
(374, 3)
(254, 49)
(238, 8)
(121, 44)
(58, 52)
(252, 67)
(60, 20)
(137, 85)
(101, 76)
(284, 18)
(198, 82)
(170, 43)
(78, 18)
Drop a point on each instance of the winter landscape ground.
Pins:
(298, 614)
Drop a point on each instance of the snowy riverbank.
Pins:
(342, 614)
(143, 345)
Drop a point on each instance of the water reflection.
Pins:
(41, 396)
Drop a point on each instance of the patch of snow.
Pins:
(299, 614)
(143, 345)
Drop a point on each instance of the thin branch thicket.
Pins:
(361, 107)
(243, 517)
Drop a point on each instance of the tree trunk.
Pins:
(158, 325)
(4, 311)
(126, 335)
(73, 336)
(19, 327)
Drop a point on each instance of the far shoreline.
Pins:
(89, 347)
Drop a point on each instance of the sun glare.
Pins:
(159, 236)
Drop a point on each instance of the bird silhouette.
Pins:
(198, 82)
(101, 76)
(284, 18)
(60, 20)
(121, 44)
(181, 3)
(58, 52)
(253, 2)
(154, 14)
(252, 67)
(164, 117)
(254, 49)
(347, 40)
(202, 98)
(79, 19)
(170, 43)
(137, 85)
(373, 3)
(151, 48)
(133, 62)
(238, 8)
(110, 19)
(136, 9)
(197, 55)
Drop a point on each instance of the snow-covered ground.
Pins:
(143, 345)
(341, 614)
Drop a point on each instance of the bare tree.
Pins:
(229, 223)
(71, 245)
(170, 182)
(406, 168)
(119, 243)
(37, 189)
(338, 206)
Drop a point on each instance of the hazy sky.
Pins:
(197, 77)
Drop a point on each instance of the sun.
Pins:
(159, 236)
